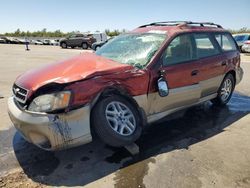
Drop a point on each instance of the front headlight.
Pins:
(50, 102)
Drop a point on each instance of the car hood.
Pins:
(82, 67)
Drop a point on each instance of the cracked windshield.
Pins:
(133, 49)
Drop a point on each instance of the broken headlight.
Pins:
(50, 102)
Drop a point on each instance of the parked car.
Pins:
(100, 37)
(77, 40)
(135, 79)
(2, 40)
(246, 46)
(241, 39)
(10, 40)
(22, 41)
(96, 45)
(37, 42)
(54, 42)
(45, 41)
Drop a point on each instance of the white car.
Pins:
(36, 42)
(246, 46)
(54, 42)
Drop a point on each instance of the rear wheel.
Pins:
(116, 121)
(84, 45)
(225, 91)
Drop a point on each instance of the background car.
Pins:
(54, 42)
(36, 42)
(2, 40)
(246, 46)
(96, 45)
(77, 40)
(241, 38)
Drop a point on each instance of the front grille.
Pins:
(20, 93)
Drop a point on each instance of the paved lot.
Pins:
(204, 147)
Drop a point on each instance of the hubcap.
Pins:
(226, 89)
(120, 118)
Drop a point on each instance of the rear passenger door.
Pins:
(212, 63)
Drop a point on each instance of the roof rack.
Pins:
(181, 23)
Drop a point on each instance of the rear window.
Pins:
(226, 42)
(205, 46)
(240, 38)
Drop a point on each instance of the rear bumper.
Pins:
(52, 131)
(239, 74)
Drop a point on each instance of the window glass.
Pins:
(226, 42)
(179, 50)
(79, 35)
(204, 46)
(134, 49)
(72, 36)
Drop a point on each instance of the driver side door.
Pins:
(181, 69)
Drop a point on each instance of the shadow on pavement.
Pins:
(83, 165)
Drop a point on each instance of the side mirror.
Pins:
(162, 86)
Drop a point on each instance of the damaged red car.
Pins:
(133, 80)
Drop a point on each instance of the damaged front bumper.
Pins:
(52, 131)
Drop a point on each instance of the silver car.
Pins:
(241, 39)
(246, 46)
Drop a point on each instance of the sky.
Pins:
(81, 15)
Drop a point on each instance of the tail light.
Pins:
(247, 42)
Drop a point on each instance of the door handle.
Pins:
(194, 72)
(224, 63)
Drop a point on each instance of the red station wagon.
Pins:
(135, 79)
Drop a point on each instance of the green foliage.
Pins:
(114, 32)
(41, 33)
(57, 33)
(242, 30)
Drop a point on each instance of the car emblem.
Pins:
(16, 90)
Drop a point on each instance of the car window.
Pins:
(179, 50)
(205, 46)
(79, 35)
(226, 42)
(135, 49)
(72, 36)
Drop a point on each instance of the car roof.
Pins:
(173, 27)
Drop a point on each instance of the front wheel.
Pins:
(116, 121)
(225, 91)
(64, 45)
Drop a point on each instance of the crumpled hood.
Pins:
(81, 67)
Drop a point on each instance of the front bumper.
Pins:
(239, 74)
(52, 131)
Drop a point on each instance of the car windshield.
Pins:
(132, 49)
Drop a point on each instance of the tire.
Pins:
(223, 98)
(84, 46)
(72, 47)
(105, 128)
(64, 45)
